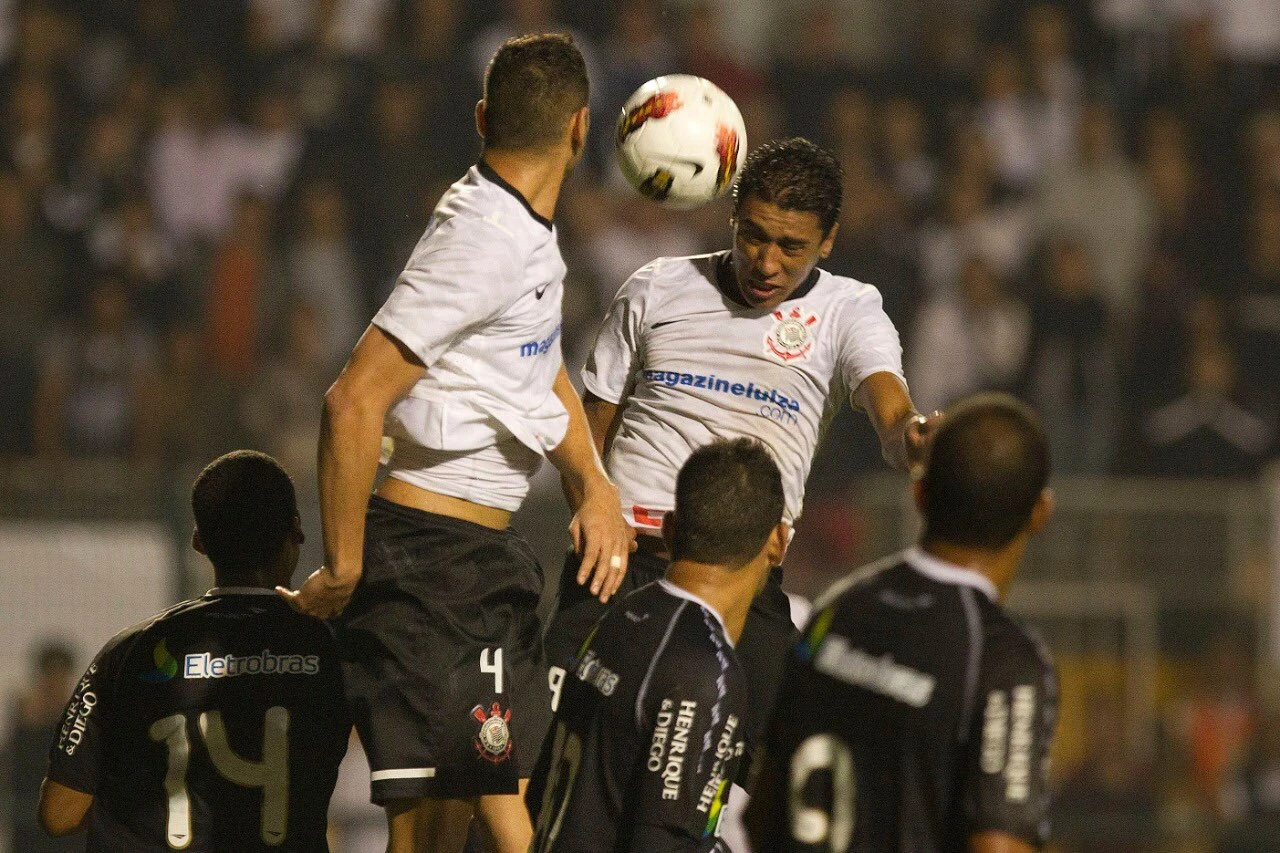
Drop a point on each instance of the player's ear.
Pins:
(1043, 510)
(829, 241)
(669, 531)
(196, 544)
(775, 547)
(480, 124)
(299, 535)
(579, 127)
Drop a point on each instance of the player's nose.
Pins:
(770, 263)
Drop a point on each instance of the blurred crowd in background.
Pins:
(202, 202)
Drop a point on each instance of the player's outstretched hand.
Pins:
(604, 540)
(919, 432)
(323, 595)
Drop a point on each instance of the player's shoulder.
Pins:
(140, 638)
(477, 212)
(1013, 647)
(846, 592)
(694, 645)
(673, 272)
(844, 293)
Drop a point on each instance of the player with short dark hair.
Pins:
(919, 714)
(462, 369)
(753, 341)
(532, 85)
(220, 723)
(649, 730)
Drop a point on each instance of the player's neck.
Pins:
(728, 593)
(536, 176)
(999, 565)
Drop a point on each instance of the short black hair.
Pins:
(795, 175)
(728, 499)
(532, 87)
(245, 509)
(985, 470)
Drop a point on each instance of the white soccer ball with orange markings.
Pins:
(681, 141)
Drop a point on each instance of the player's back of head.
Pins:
(245, 511)
(794, 174)
(534, 84)
(986, 468)
(728, 500)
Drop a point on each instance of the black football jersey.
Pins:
(217, 725)
(915, 713)
(647, 734)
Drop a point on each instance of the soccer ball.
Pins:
(680, 141)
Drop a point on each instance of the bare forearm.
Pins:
(577, 457)
(350, 442)
(891, 412)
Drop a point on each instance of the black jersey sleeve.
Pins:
(1006, 780)
(76, 756)
(690, 726)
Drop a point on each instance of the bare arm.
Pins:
(62, 810)
(379, 372)
(998, 842)
(903, 431)
(600, 533)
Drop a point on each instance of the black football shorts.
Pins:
(442, 656)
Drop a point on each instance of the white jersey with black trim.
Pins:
(479, 305)
(689, 364)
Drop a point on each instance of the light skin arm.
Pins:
(62, 810)
(379, 372)
(904, 432)
(998, 842)
(600, 534)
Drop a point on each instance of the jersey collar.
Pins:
(681, 592)
(728, 283)
(239, 590)
(487, 172)
(945, 572)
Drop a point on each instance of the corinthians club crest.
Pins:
(493, 743)
(791, 337)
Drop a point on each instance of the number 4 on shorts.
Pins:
(491, 664)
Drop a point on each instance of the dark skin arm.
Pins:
(998, 842)
(62, 810)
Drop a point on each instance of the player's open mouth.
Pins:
(759, 291)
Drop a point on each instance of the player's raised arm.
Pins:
(600, 533)
(380, 371)
(903, 431)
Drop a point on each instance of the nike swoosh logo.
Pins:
(538, 293)
(662, 323)
(697, 167)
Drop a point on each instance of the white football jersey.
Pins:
(689, 363)
(479, 305)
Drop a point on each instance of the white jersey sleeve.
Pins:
(618, 346)
(435, 300)
(869, 341)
